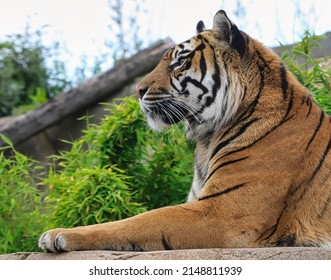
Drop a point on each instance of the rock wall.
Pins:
(283, 253)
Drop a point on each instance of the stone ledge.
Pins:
(284, 253)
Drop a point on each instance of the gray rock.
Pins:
(284, 253)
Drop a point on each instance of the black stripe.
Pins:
(210, 99)
(203, 66)
(309, 184)
(173, 85)
(303, 99)
(310, 105)
(274, 228)
(188, 65)
(216, 86)
(195, 82)
(317, 129)
(165, 243)
(264, 62)
(239, 132)
(290, 104)
(325, 207)
(224, 164)
(226, 191)
(216, 77)
(283, 80)
(253, 105)
(217, 82)
(326, 151)
(184, 52)
(201, 47)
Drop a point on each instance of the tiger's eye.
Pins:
(181, 61)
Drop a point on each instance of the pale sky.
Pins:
(82, 25)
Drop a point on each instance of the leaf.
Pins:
(6, 140)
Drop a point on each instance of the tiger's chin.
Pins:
(157, 124)
(160, 121)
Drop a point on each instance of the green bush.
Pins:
(30, 73)
(310, 71)
(159, 164)
(118, 169)
(21, 216)
(89, 196)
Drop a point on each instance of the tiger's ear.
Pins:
(229, 32)
(200, 27)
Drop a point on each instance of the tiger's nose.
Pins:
(141, 90)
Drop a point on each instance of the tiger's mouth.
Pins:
(168, 111)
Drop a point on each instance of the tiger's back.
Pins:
(262, 172)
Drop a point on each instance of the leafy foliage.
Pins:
(25, 73)
(312, 73)
(21, 205)
(90, 196)
(160, 165)
(118, 169)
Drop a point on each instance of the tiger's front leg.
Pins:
(176, 227)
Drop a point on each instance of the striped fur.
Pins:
(262, 159)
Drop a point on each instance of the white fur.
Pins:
(325, 245)
(48, 244)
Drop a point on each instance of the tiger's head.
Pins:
(192, 83)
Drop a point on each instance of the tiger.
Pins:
(262, 162)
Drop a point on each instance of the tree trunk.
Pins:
(90, 92)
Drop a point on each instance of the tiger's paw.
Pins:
(56, 241)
